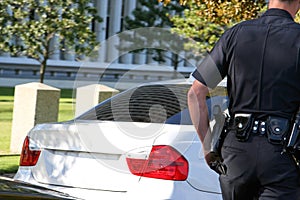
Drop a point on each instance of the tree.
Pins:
(204, 21)
(224, 11)
(29, 27)
(151, 13)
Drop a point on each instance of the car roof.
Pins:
(188, 81)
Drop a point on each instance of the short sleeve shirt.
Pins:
(261, 59)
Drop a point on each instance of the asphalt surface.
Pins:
(16, 190)
(9, 175)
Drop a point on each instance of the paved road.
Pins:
(10, 175)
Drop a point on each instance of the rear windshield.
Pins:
(149, 104)
(154, 104)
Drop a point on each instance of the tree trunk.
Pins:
(176, 62)
(43, 70)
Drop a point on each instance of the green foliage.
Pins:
(29, 26)
(297, 18)
(205, 21)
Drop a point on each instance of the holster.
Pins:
(293, 145)
(214, 158)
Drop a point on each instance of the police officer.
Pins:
(261, 59)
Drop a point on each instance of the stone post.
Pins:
(34, 103)
(89, 96)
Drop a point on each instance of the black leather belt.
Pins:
(276, 128)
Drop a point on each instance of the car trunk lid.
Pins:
(90, 154)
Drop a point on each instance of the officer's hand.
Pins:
(214, 161)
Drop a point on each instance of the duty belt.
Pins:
(276, 128)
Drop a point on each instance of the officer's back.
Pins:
(268, 82)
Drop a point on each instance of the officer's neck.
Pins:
(291, 7)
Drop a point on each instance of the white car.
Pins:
(140, 144)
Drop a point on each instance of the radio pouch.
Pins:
(242, 124)
(278, 128)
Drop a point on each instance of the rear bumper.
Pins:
(146, 188)
(157, 189)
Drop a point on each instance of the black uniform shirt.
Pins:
(261, 59)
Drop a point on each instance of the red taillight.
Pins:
(164, 162)
(28, 157)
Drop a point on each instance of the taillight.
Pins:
(28, 157)
(164, 162)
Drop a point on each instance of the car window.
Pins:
(150, 103)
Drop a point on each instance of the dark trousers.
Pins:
(256, 169)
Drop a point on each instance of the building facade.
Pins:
(63, 65)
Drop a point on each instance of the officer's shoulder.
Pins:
(234, 29)
(295, 25)
(251, 22)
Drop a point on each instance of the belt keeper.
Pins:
(255, 126)
(262, 128)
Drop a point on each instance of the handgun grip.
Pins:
(294, 137)
(297, 117)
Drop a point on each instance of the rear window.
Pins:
(149, 104)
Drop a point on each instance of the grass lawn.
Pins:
(9, 163)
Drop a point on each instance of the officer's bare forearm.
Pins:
(198, 108)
